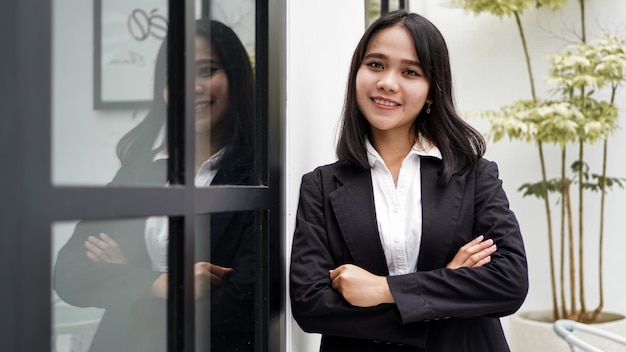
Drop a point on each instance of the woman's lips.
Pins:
(202, 105)
(385, 102)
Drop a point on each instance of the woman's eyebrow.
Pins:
(385, 57)
(207, 61)
(412, 62)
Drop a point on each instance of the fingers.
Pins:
(336, 274)
(475, 241)
(474, 251)
(220, 271)
(212, 273)
(474, 254)
(483, 256)
(334, 278)
(104, 249)
(482, 262)
(95, 252)
(92, 256)
(475, 245)
(108, 240)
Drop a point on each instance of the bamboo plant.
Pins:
(576, 115)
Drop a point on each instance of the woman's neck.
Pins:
(392, 149)
(392, 146)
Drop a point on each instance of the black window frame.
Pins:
(31, 204)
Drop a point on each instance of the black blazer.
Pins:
(135, 322)
(436, 309)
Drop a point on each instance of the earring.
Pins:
(428, 108)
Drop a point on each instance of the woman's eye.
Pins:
(375, 65)
(206, 71)
(412, 73)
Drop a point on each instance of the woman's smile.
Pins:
(202, 106)
(385, 102)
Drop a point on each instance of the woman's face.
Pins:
(211, 88)
(391, 88)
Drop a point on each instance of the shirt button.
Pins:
(395, 210)
(396, 240)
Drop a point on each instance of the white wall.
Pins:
(321, 36)
(488, 71)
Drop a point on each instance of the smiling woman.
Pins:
(407, 242)
(392, 90)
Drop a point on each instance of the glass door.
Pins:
(142, 209)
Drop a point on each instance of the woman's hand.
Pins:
(360, 287)
(207, 276)
(474, 254)
(104, 249)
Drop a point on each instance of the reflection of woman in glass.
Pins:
(122, 265)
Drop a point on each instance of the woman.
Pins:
(121, 265)
(407, 243)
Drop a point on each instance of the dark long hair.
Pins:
(137, 147)
(460, 144)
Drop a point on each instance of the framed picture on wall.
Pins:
(127, 37)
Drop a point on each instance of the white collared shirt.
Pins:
(157, 227)
(399, 209)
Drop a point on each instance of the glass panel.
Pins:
(227, 140)
(109, 109)
(374, 8)
(228, 281)
(108, 275)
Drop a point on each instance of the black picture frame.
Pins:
(127, 36)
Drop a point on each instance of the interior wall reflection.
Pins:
(109, 293)
(109, 101)
(107, 79)
(110, 283)
(227, 280)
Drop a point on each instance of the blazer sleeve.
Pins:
(84, 283)
(495, 289)
(316, 306)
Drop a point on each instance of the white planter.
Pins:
(529, 331)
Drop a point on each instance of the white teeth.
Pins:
(385, 102)
(202, 105)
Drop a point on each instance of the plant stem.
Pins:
(572, 259)
(555, 310)
(605, 153)
(582, 21)
(544, 178)
(598, 309)
(564, 193)
(528, 67)
(581, 258)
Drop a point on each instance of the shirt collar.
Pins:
(428, 149)
(209, 164)
(212, 162)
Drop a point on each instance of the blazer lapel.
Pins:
(440, 215)
(353, 205)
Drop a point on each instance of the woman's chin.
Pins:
(203, 126)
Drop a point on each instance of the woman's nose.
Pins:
(199, 89)
(388, 82)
